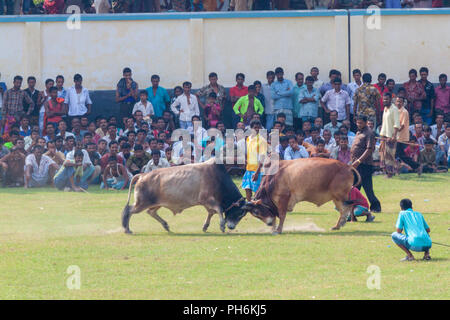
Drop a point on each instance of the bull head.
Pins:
(260, 211)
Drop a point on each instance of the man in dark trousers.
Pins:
(361, 157)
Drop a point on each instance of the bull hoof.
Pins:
(335, 228)
(205, 227)
(166, 226)
(222, 227)
(275, 233)
(128, 231)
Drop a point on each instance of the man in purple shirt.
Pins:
(442, 93)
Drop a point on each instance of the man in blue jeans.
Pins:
(72, 176)
(416, 236)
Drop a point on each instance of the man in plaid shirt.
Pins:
(13, 102)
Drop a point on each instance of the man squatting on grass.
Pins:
(416, 237)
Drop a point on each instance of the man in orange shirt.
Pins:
(403, 133)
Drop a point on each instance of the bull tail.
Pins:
(127, 210)
(357, 176)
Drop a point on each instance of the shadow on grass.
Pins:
(266, 234)
(435, 177)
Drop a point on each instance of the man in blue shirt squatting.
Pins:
(416, 236)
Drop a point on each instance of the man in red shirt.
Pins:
(382, 89)
(235, 93)
(442, 93)
(360, 206)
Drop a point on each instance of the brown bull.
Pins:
(315, 180)
(180, 187)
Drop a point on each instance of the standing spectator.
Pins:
(426, 111)
(314, 72)
(299, 79)
(393, 4)
(53, 6)
(442, 93)
(239, 90)
(366, 100)
(338, 100)
(54, 110)
(241, 5)
(415, 93)
(268, 107)
(158, 96)
(352, 87)
(382, 89)
(188, 106)
(213, 86)
(361, 157)
(39, 169)
(44, 96)
(282, 90)
(13, 104)
(143, 105)
(34, 95)
(309, 101)
(126, 94)
(78, 103)
(247, 106)
(403, 134)
(388, 133)
(62, 93)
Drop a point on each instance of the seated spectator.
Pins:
(300, 139)
(59, 144)
(138, 160)
(413, 150)
(115, 176)
(333, 125)
(295, 151)
(50, 131)
(344, 130)
(102, 147)
(31, 140)
(343, 152)
(89, 172)
(416, 237)
(112, 134)
(281, 148)
(113, 151)
(56, 156)
(315, 136)
(169, 157)
(427, 158)
(438, 128)
(3, 150)
(444, 143)
(329, 141)
(76, 129)
(12, 168)
(62, 127)
(102, 129)
(39, 169)
(69, 176)
(25, 129)
(144, 105)
(418, 133)
(156, 162)
(321, 152)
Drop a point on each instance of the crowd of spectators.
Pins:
(49, 137)
(16, 7)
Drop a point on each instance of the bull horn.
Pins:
(256, 202)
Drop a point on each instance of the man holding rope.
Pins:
(388, 133)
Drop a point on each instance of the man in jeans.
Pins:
(361, 157)
(416, 237)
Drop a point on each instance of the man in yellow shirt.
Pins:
(256, 151)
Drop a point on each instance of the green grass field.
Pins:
(43, 232)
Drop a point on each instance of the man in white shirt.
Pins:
(188, 106)
(144, 105)
(338, 100)
(317, 82)
(156, 162)
(39, 168)
(77, 101)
